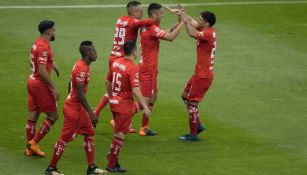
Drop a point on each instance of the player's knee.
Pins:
(120, 135)
(53, 116)
(193, 103)
(33, 116)
(68, 137)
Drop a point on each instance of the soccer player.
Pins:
(126, 29)
(42, 93)
(122, 83)
(204, 32)
(150, 41)
(78, 116)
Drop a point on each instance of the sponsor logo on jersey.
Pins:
(122, 22)
(45, 53)
(117, 64)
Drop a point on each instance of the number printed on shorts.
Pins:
(116, 84)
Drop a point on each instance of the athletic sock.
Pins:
(89, 149)
(103, 102)
(193, 119)
(57, 153)
(114, 151)
(30, 129)
(43, 130)
(145, 119)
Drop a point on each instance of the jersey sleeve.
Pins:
(42, 55)
(204, 35)
(80, 75)
(157, 32)
(145, 22)
(134, 77)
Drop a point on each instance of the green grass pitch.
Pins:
(255, 111)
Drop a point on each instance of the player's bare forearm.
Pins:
(45, 77)
(193, 22)
(82, 99)
(137, 93)
(108, 87)
(190, 29)
(55, 68)
(172, 27)
(47, 80)
(170, 36)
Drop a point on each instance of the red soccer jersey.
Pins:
(41, 53)
(206, 44)
(150, 43)
(124, 76)
(79, 74)
(126, 29)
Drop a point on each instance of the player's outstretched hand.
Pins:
(173, 11)
(184, 17)
(180, 7)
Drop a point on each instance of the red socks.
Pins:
(114, 151)
(59, 149)
(103, 102)
(89, 149)
(193, 119)
(43, 130)
(30, 129)
(57, 153)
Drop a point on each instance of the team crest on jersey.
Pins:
(82, 74)
(122, 22)
(157, 30)
(137, 75)
(42, 58)
(45, 53)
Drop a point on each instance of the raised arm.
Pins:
(192, 21)
(173, 32)
(189, 27)
(144, 22)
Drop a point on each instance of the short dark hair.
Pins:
(84, 46)
(45, 25)
(209, 17)
(133, 4)
(129, 47)
(152, 7)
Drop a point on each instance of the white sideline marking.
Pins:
(121, 5)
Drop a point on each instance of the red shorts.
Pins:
(122, 122)
(40, 97)
(148, 82)
(112, 58)
(75, 122)
(197, 88)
